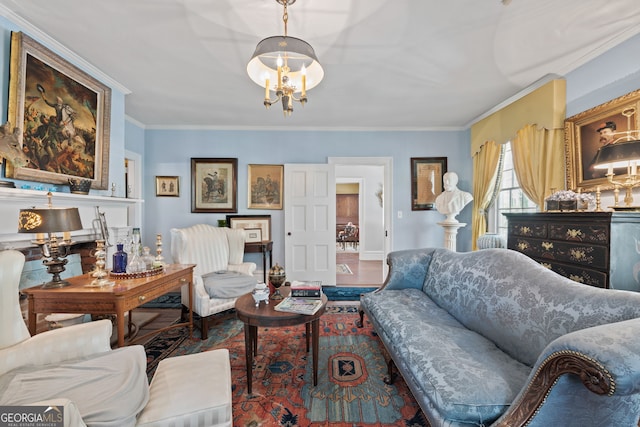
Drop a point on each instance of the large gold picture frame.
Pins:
(63, 115)
(582, 140)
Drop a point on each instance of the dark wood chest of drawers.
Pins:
(600, 249)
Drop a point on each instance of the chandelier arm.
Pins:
(268, 102)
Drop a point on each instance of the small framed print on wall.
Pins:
(426, 181)
(214, 185)
(167, 186)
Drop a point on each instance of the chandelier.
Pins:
(285, 65)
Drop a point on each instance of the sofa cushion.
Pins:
(520, 309)
(464, 375)
(228, 284)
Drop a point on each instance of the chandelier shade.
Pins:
(263, 65)
(285, 65)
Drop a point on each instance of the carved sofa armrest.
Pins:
(604, 359)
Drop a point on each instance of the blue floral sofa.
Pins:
(493, 338)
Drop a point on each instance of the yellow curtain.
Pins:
(538, 160)
(485, 168)
(534, 123)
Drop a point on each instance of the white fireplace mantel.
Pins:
(119, 213)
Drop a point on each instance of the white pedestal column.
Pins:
(450, 233)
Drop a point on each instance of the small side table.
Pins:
(265, 247)
(265, 316)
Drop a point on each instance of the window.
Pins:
(510, 197)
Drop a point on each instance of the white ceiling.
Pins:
(401, 64)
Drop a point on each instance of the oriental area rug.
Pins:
(352, 365)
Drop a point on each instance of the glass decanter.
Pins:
(136, 263)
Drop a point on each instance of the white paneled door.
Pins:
(310, 222)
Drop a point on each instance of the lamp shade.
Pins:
(617, 155)
(297, 53)
(49, 220)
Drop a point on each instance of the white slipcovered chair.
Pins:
(73, 367)
(220, 275)
(74, 370)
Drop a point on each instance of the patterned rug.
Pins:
(350, 390)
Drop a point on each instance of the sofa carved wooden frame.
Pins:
(593, 375)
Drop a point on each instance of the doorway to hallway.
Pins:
(367, 205)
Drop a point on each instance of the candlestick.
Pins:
(303, 71)
(598, 200)
(266, 89)
(279, 62)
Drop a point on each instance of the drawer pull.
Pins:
(142, 298)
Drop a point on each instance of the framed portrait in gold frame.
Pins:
(585, 133)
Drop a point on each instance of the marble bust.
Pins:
(452, 200)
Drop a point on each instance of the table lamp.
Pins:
(617, 155)
(51, 220)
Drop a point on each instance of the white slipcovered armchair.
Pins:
(73, 367)
(73, 371)
(220, 275)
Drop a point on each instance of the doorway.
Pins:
(362, 203)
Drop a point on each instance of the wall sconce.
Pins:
(50, 221)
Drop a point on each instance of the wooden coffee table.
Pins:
(265, 316)
(123, 296)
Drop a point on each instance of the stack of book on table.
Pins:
(311, 289)
(305, 298)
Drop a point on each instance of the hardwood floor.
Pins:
(365, 273)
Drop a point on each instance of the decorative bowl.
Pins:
(79, 185)
(260, 293)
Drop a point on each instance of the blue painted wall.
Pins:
(168, 152)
